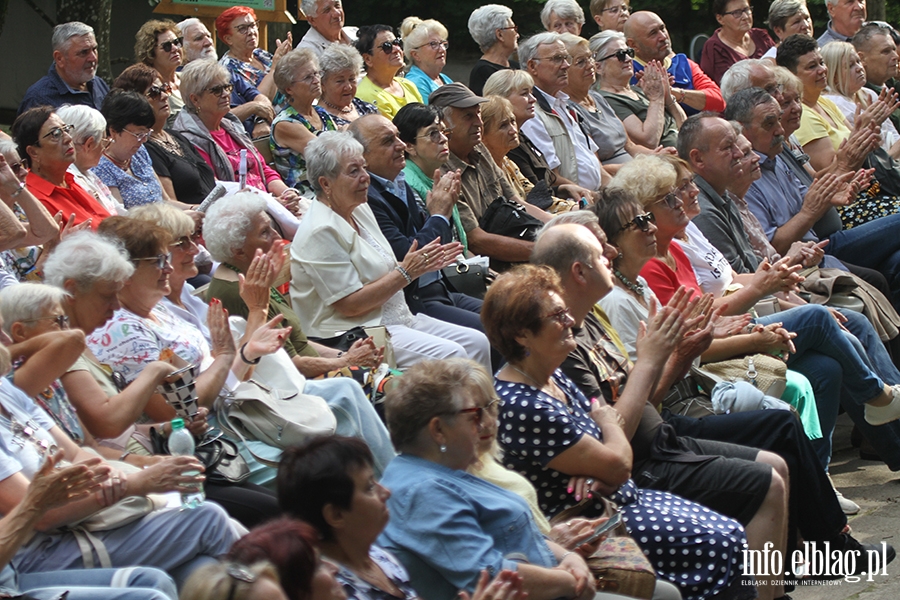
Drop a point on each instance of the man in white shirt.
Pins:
(556, 129)
(326, 25)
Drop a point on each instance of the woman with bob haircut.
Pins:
(160, 45)
(492, 28)
(341, 66)
(344, 273)
(380, 50)
(90, 140)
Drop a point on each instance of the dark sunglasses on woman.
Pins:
(388, 47)
(622, 54)
(641, 222)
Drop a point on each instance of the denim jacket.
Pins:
(446, 525)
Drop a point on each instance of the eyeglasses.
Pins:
(478, 411)
(436, 135)
(671, 199)
(774, 88)
(685, 186)
(616, 9)
(185, 243)
(167, 46)
(513, 27)
(105, 143)
(562, 316)
(61, 320)
(388, 47)
(309, 78)
(56, 133)
(239, 573)
(641, 222)
(218, 90)
(161, 260)
(246, 27)
(556, 59)
(435, 45)
(155, 91)
(622, 55)
(18, 167)
(737, 14)
(583, 62)
(140, 137)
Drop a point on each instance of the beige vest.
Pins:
(562, 143)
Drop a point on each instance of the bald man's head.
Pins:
(647, 34)
(561, 246)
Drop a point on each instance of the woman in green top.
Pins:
(427, 150)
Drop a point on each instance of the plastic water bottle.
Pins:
(181, 442)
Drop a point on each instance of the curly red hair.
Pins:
(223, 21)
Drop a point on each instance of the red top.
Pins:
(710, 88)
(717, 56)
(68, 200)
(664, 281)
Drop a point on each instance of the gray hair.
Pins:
(505, 82)
(690, 134)
(309, 7)
(88, 122)
(599, 41)
(198, 75)
(325, 156)
(741, 106)
(283, 74)
(564, 9)
(576, 217)
(484, 23)
(63, 32)
(228, 221)
(87, 258)
(188, 23)
(782, 10)
(737, 77)
(868, 31)
(340, 57)
(529, 47)
(28, 301)
(9, 146)
(831, 2)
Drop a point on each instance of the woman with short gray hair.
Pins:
(343, 270)
(341, 66)
(90, 142)
(298, 77)
(563, 16)
(492, 28)
(787, 17)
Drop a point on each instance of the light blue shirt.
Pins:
(776, 197)
(424, 83)
(447, 525)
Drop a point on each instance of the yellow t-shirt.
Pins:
(387, 103)
(814, 126)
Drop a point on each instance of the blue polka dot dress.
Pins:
(693, 547)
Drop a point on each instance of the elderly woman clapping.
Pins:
(344, 273)
(492, 28)
(299, 79)
(425, 45)
(218, 136)
(341, 66)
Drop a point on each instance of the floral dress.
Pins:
(693, 547)
(357, 588)
(289, 163)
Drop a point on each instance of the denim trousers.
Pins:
(875, 245)
(129, 583)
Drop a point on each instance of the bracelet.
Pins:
(682, 94)
(404, 273)
(244, 358)
(124, 456)
(566, 555)
(18, 191)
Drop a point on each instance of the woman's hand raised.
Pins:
(52, 487)
(219, 331)
(433, 256)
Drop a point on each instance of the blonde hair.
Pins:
(505, 82)
(172, 219)
(788, 80)
(837, 57)
(494, 110)
(574, 41)
(414, 32)
(647, 177)
(213, 581)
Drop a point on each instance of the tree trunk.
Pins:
(875, 10)
(95, 13)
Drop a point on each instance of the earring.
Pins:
(619, 256)
(443, 448)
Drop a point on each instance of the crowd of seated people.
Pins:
(300, 221)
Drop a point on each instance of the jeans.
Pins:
(356, 417)
(875, 245)
(129, 583)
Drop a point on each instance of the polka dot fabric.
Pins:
(693, 547)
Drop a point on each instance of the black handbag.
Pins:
(345, 340)
(471, 280)
(887, 171)
(220, 456)
(507, 218)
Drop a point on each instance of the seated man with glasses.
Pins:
(557, 131)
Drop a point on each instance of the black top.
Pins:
(191, 177)
(484, 69)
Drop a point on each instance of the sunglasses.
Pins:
(167, 46)
(61, 320)
(436, 135)
(562, 316)
(246, 27)
(155, 91)
(622, 55)
(641, 222)
(218, 90)
(388, 47)
(161, 260)
(239, 573)
(435, 45)
(56, 133)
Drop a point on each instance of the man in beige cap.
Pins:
(481, 180)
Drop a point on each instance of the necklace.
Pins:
(527, 376)
(165, 140)
(637, 288)
(122, 165)
(343, 111)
